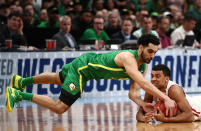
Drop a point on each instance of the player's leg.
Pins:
(20, 83)
(56, 106)
(13, 96)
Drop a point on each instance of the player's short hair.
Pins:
(163, 68)
(146, 39)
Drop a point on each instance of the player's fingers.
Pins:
(169, 112)
(172, 110)
(175, 111)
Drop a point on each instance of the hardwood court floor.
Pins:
(84, 117)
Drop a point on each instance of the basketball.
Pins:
(161, 106)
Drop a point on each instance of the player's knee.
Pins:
(61, 109)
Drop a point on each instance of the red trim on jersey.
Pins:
(195, 113)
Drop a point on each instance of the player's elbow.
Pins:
(189, 117)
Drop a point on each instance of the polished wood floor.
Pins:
(84, 117)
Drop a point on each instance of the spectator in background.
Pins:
(97, 32)
(53, 16)
(77, 7)
(163, 27)
(179, 34)
(154, 17)
(109, 5)
(146, 28)
(179, 4)
(71, 14)
(35, 6)
(13, 31)
(64, 40)
(176, 15)
(62, 5)
(196, 12)
(139, 17)
(97, 5)
(126, 31)
(46, 4)
(4, 12)
(42, 16)
(16, 8)
(81, 23)
(113, 23)
(28, 20)
(29, 10)
(121, 4)
(124, 13)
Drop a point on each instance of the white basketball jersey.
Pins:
(195, 102)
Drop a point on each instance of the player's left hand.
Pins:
(149, 117)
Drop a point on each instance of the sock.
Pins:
(27, 81)
(26, 96)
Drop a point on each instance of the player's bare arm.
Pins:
(127, 60)
(185, 115)
(134, 92)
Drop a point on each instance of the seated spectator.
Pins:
(126, 31)
(196, 12)
(97, 32)
(163, 27)
(154, 17)
(146, 28)
(13, 31)
(53, 16)
(113, 23)
(42, 16)
(31, 16)
(77, 7)
(109, 5)
(139, 17)
(64, 40)
(120, 4)
(180, 33)
(97, 5)
(4, 12)
(81, 23)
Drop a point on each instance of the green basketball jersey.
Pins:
(91, 66)
(102, 66)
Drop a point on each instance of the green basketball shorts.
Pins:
(73, 81)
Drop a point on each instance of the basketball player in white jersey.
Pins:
(189, 107)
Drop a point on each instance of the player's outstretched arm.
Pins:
(127, 60)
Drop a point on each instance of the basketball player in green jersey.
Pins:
(117, 65)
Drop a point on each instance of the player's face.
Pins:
(149, 52)
(158, 79)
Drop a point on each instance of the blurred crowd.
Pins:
(66, 24)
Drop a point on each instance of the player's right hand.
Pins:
(148, 107)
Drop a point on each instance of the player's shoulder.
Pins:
(176, 90)
(127, 52)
